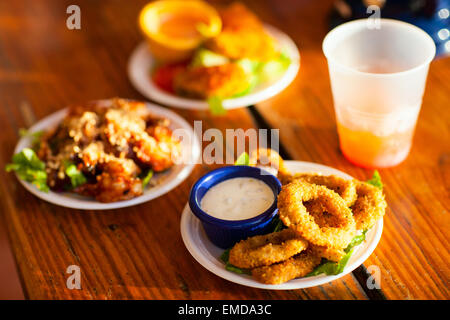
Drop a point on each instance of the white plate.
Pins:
(208, 255)
(167, 180)
(141, 63)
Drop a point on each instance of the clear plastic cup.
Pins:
(377, 78)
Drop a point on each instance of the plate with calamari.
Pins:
(327, 225)
(246, 63)
(105, 154)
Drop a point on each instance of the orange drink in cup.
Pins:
(378, 79)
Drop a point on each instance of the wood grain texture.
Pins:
(137, 252)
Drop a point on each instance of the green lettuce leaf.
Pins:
(146, 178)
(333, 268)
(216, 105)
(274, 68)
(76, 176)
(279, 225)
(376, 180)
(253, 81)
(30, 168)
(228, 266)
(329, 267)
(206, 58)
(356, 241)
(34, 136)
(249, 66)
(242, 160)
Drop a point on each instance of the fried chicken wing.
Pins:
(117, 181)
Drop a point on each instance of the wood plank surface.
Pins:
(137, 252)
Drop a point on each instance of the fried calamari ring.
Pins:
(329, 253)
(266, 249)
(318, 211)
(268, 159)
(297, 266)
(344, 187)
(294, 214)
(369, 206)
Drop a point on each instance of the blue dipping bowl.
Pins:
(225, 233)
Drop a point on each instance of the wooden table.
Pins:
(138, 252)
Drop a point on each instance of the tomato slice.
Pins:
(164, 75)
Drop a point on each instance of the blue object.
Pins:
(225, 233)
(433, 16)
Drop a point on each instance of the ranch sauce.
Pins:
(237, 199)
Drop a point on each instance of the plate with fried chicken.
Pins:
(243, 64)
(105, 154)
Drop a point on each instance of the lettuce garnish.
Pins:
(376, 180)
(216, 105)
(76, 176)
(242, 160)
(225, 257)
(207, 58)
(333, 268)
(274, 68)
(30, 168)
(146, 178)
(34, 136)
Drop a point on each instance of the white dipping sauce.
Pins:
(238, 199)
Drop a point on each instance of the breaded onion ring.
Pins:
(298, 266)
(266, 249)
(369, 206)
(343, 187)
(294, 214)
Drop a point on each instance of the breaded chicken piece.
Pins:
(118, 181)
(202, 82)
(242, 36)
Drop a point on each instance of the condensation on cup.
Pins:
(378, 79)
